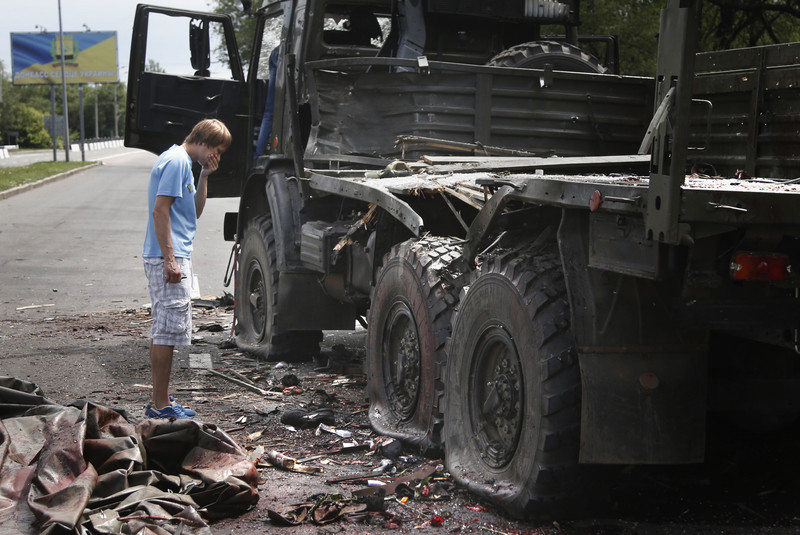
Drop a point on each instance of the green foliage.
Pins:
(11, 177)
(30, 124)
(154, 66)
(722, 24)
(244, 25)
(742, 23)
(37, 97)
(635, 23)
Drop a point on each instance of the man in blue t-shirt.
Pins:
(175, 204)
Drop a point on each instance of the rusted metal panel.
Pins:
(569, 114)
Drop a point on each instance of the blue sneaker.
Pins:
(170, 411)
(189, 412)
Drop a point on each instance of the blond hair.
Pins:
(212, 132)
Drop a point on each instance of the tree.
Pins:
(722, 24)
(29, 122)
(743, 23)
(37, 97)
(635, 23)
(244, 27)
(154, 66)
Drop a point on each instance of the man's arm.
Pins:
(202, 184)
(161, 224)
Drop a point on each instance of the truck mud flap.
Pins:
(303, 305)
(643, 407)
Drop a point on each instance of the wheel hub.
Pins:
(496, 415)
(402, 359)
(256, 295)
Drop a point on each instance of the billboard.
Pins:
(89, 57)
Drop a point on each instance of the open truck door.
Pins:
(168, 96)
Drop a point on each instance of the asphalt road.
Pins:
(75, 244)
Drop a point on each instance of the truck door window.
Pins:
(355, 26)
(270, 39)
(169, 47)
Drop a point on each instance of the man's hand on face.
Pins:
(211, 162)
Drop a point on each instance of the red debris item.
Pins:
(478, 508)
(292, 390)
(437, 521)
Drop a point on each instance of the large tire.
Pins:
(535, 55)
(409, 322)
(257, 281)
(512, 383)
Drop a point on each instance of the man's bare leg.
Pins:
(161, 368)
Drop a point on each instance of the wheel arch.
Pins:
(302, 303)
(274, 191)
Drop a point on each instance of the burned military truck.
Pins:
(556, 265)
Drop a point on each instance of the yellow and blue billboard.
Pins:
(89, 57)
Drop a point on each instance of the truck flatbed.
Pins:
(473, 179)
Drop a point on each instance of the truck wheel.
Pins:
(535, 55)
(257, 301)
(409, 322)
(512, 401)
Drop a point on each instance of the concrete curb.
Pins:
(25, 187)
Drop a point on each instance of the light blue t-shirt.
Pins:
(172, 176)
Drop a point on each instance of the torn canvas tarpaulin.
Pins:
(85, 468)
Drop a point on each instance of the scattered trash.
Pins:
(388, 447)
(227, 344)
(290, 379)
(477, 508)
(226, 300)
(434, 492)
(212, 328)
(302, 419)
(325, 510)
(338, 432)
(30, 307)
(437, 521)
(239, 382)
(396, 168)
(279, 460)
(386, 466)
(422, 473)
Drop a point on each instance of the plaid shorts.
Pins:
(171, 303)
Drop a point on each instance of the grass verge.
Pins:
(11, 177)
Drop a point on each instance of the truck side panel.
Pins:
(754, 118)
(544, 112)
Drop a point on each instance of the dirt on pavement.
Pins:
(749, 486)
